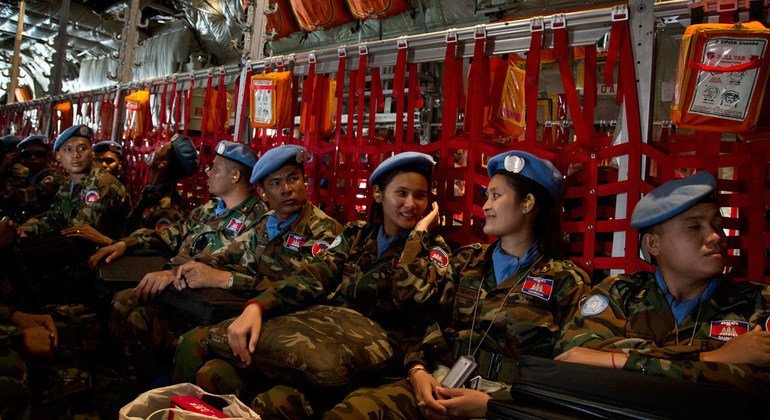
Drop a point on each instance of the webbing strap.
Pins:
(339, 93)
(414, 101)
(361, 93)
(376, 100)
(561, 52)
(449, 91)
(399, 84)
(308, 94)
(188, 104)
(531, 86)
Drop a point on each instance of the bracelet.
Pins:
(414, 369)
(613, 360)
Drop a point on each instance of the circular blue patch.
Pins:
(595, 305)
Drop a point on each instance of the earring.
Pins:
(235, 177)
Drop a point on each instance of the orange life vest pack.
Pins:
(721, 77)
(270, 100)
(325, 110)
(138, 114)
(280, 22)
(314, 15)
(504, 112)
(377, 9)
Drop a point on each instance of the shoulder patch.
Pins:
(48, 180)
(595, 305)
(294, 242)
(337, 241)
(318, 247)
(162, 223)
(92, 197)
(538, 287)
(727, 329)
(235, 225)
(439, 256)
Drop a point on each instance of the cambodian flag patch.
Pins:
(162, 223)
(294, 242)
(318, 247)
(235, 225)
(438, 256)
(92, 197)
(726, 330)
(538, 287)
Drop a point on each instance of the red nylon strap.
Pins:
(339, 93)
(361, 95)
(308, 94)
(162, 116)
(204, 153)
(589, 85)
(414, 101)
(449, 91)
(399, 83)
(91, 109)
(171, 116)
(582, 131)
(479, 87)
(728, 11)
(616, 36)
(376, 100)
(531, 82)
(753, 63)
(188, 103)
(351, 104)
(221, 111)
(294, 106)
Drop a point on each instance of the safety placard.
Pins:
(727, 94)
(263, 101)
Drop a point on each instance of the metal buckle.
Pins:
(559, 21)
(342, 52)
(480, 32)
(536, 24)
(451, 36)
(727, 6)
(402, 44)
(619, 13)
(311, 58)
(363, 50)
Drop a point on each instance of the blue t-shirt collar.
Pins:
(684, 308)
(220, 209)
(276, 225)
(507, 265)
(384, 242)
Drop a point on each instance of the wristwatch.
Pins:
(232, 280)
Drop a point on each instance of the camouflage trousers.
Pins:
(144, 330)
(392, 401)
(14, 395)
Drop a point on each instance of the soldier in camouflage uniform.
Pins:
(12, 173)
(391, 270)
(87, 196)
(513, 297)
(108, 155)
(37, 192)
(160, 204)
(686, 320)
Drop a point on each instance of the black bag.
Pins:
(191, 308)
(126, 273)
(588, 391)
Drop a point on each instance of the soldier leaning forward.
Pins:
(391, 270)
(513, 297)
(210, 249)
(686, 320)
(35, 194)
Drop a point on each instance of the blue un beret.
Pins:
(34, 139)
(237, 152)
(672, 198)
(276, 158)
(418, 162)
(529, 166)
(78, 130)
(108, 146)
(9, 141)
(186, 155)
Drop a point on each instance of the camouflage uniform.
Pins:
(14, 395)
(158, 206)
(99, 200)
(11, 180)
(638, 321)
(405, 289)
(37, 195)
(537, 304)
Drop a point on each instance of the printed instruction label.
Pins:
(263, 91)
(727, 95)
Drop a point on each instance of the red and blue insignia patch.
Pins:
(162, 223)
(727, 329)
(235, 225)
(439, 256)
(146, 214)
(318, 247)
(92, 197)
(294, 242)
(538, 287)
